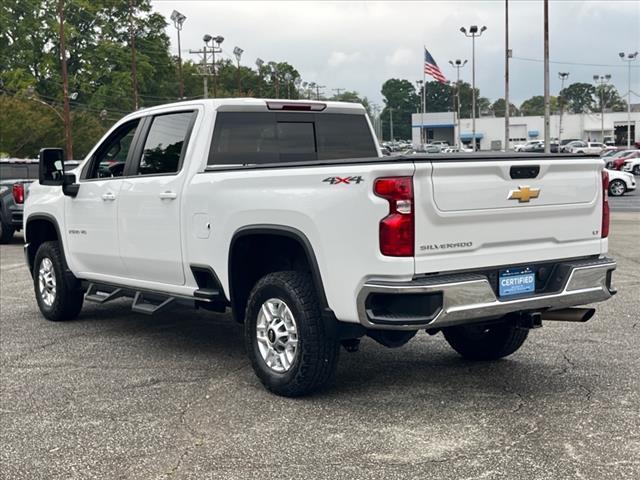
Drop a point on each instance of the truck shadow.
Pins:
(424, 368)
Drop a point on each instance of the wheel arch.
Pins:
(40, 228)
(281, 236)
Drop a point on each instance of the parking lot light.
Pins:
(473, 33)
(630, 58)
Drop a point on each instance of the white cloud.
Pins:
(402, 57)
(338, 58)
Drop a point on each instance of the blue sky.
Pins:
(358, 45)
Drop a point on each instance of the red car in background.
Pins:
(618, 162)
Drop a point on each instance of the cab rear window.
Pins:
(243, 138)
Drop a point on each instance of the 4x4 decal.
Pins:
(347, 180)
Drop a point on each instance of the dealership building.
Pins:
(490, 130)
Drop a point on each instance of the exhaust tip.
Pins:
(570, 314)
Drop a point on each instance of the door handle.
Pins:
(168, 195)
(108, 197)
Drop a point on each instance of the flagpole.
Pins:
(423, 132)
(424, 78)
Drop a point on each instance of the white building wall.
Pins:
(584, 126)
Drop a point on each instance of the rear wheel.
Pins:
(59, 298)
(293, 350)
(485, 342)
(617, 188)
(6, 232)
(636, 170)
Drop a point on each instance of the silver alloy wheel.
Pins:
(47, 282)
(277, 335)
(616, 188)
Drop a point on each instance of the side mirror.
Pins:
(52, 171)
(51, 168)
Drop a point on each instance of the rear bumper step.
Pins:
(457, 299)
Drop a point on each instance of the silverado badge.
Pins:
(523, 194)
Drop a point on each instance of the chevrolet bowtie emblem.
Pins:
(524, 194)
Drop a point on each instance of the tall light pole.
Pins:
(630, 58)
(601, 81)
(178, 19)
(391, 123)
(562, 76)
(65, 86)
(547, 100)
(458, 64)
(507, 54)
(259, 64)
(473, 33)
(420, 84)
(215, 48)
(237, 51)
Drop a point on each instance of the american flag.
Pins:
(431, 67)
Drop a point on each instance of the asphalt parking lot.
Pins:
(120, 395)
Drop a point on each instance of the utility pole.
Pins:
(178, 19)
(458, 64)
(563, 76)
(338, 91)
(237, 51)
(473, 33)
(259, 64)
(134, 72)
(507, 54)
(547, 103)
(630, 58)
(204, 68)
(391, 122)
(318, 87)
(65, 86)
(601, 81)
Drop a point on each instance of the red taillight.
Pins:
(397, 228)
(18, 192)
(604, 231)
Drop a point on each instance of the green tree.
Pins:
(608, 94)
(534, 106)
(439, 97)
(401, 96)
(498, 108)
(579, 97)
(353, 97)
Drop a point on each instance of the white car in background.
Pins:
(620, 182)
(632, 165)
(522, 146)
(587, 148)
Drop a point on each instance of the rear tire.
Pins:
(617, 188)
(292, 348)
(59, 297)
(6, 232)
(485, 342)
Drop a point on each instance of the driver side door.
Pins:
(91, 217)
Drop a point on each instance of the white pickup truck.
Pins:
(287, 213)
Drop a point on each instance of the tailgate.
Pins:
(484, 213)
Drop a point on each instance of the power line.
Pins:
(539, 60)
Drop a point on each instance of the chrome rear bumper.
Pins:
(468, 297)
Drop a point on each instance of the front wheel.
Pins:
(485, 342)
(58, 298)
(617, 188)
(293, 350)
(636, 170)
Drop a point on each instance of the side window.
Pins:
(165, 143)
(110, 158)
